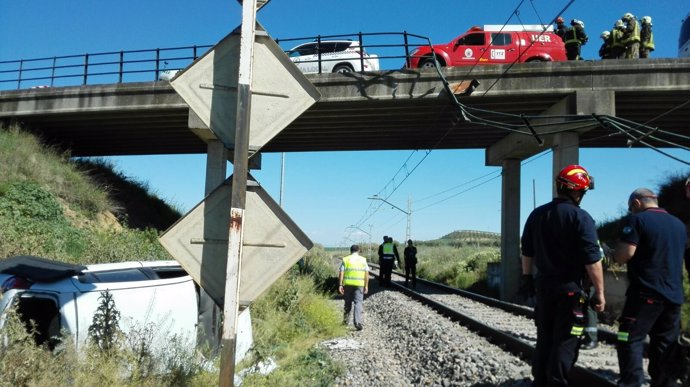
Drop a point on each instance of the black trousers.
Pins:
(560, 323)
(386, 271)
(644, 315)
(411, 270)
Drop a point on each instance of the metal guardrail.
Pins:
(393, 50)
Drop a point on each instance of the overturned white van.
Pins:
(60, 297)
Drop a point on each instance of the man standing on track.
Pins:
(410, 254)
(389, 254)
(560, 239)
(354, 284)
(652, 244)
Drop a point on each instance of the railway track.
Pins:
(509, 326)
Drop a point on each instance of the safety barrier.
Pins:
(392, 48)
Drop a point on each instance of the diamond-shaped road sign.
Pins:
(280, 92)
(272, 242)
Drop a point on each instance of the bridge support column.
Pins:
(566, 151)
(510, 229)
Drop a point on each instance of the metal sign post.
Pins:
(239, 193)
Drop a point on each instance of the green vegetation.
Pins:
(290, 319)
(81, 211)
(50, 208)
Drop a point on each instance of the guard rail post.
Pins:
(361, 52)
(122, 66)
(86, 68)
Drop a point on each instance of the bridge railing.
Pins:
(392, 49)
(104, 67)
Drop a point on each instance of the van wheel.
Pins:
(428, 63)
(343, 68)
(535, 60)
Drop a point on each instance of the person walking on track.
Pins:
(353, 278)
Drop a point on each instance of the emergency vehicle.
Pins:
(493, 44)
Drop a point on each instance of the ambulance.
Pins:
(493, 44)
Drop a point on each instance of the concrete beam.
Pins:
(581, 102)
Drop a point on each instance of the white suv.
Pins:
(338, 56)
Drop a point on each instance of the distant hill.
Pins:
(466, 237)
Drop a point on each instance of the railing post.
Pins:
(86, 67)
(361, 52)
(407, 50)
(122, 66)
(158, 58)
(52, 72)
(194, 52)
(318, 50)
(19, 78)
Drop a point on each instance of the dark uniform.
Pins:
(646, 39)
(562, 238)
(410, 254)
(654, 297)
(560, 30)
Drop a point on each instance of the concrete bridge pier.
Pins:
(512, 149)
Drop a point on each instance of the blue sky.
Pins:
(325, 192)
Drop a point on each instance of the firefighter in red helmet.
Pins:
(560, 241)
(560, 28)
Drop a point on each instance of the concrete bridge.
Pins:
(401, 109)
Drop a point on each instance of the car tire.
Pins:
(428, 63)
(343, 68)
(531, 60)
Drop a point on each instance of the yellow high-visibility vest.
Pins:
(649, 44)
(355, 270)
(388, 249)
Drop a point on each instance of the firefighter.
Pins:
(651, 243)
(646, 37)
(605, 49)
(575, 38)
(560, 240)
(560, 28)
(617, 35)
(632, 36)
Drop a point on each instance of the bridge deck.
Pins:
(399, 109)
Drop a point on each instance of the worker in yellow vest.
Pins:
(353, 278)
(646, 37)
(632, 36)
(617, 35)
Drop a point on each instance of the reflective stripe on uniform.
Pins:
(388, 250)
(576, 330)
(623, 336)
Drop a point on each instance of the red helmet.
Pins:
(576, 178)
(559, 19)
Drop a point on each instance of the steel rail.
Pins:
(579, 376)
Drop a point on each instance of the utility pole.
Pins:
(408, 213)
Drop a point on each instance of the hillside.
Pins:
(74, 211)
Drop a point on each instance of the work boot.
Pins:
(359, 327)
(589, 344)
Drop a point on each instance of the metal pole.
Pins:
(408, 235)
(239, 195)
(282, 178)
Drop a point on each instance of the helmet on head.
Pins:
(627, 16)
(577, 22)
(619, 24)
(605, 35)
(559, 19)
(647, 20)
(575, 177)
(687, 188)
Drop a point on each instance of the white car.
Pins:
(337, 56)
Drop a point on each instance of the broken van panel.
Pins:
(60, 296)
